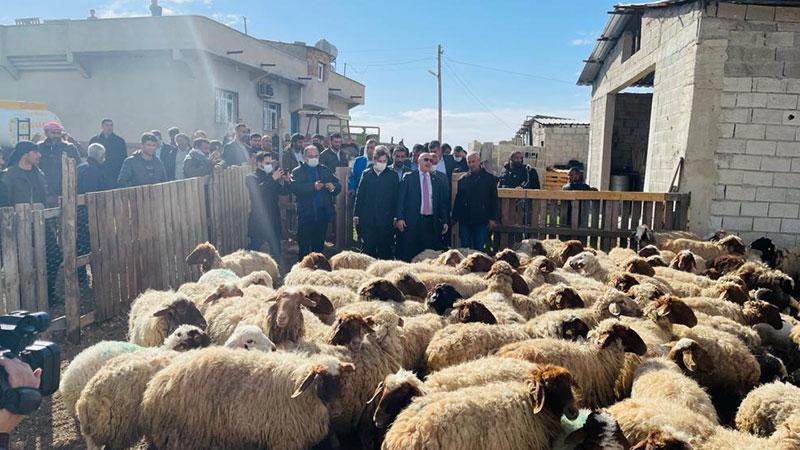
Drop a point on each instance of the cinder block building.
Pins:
(702, 96)
(558, 139)
(187, 71)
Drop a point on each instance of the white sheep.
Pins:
(351, 260)
(218, 276)
(347, 278)
(250, 337)
(766, 407)
(156, 314)
(241, 262)
(458, 343)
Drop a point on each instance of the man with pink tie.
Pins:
(423, 210)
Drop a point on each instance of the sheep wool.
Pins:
(148, 327)
(351, 260)
(418, 332)
(766, 407)
(479, 372)
(659, 379)
(458, 343)
(347, 278)
(637, 417)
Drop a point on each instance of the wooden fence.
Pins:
(24, 264)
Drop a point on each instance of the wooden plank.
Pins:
(40, 258)
(581, 195)
(575, 213)
(536, 214)
(60, 323)
(605, 243)
(647, 214)
(178, 195)
(190, 211)
(658, 217)
(161, 251)
(151, 261)
(681, 221)
(625, 222)
(10, 260)
(100, 279)
(669, 215)
(140, 239)
(120, 217)
(636, 214)
(68, 238)
(556, 230)
(244, 241)
(616, 212)
(113, 255)
(552, 219)
(27, 290)
(172, 237)
(204, 213)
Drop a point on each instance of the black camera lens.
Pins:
(39, 320)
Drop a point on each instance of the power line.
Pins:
(390, 63)
(475, 96)
(523, 74)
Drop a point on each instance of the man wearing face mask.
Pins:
(264, 186)
(373, 213)
(518, 175)
(455, 163)
(314, 187)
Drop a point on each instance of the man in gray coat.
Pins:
(142, 167)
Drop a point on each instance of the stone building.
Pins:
(704, 93)
(186, 71)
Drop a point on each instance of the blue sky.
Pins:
(503, 60)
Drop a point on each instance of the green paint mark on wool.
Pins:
(567, 427)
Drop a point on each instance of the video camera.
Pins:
(18, 332)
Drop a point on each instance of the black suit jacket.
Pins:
(451, 166)
(289, 162)
(328, 159)
(376, 198)
(409, 200)
(302, 186)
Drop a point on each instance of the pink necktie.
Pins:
(426, 201)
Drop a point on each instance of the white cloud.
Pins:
(584, 38)
(231, 20)
(582, 41)
(458, 128)
(135, 8)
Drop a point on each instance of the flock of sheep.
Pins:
(685, 344)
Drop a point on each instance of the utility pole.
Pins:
(245, 24)
(439, 52)
(345, 69)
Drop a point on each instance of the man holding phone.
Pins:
(264, 186)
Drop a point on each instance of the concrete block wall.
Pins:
(564, 143)
(757, 152)
(631, 131)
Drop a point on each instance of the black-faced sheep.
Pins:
(442, 298)
(156, 314)
(241, 262)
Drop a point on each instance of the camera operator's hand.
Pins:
(19, 375)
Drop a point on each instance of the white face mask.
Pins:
(267, 168)
(379, 166)
(312, 162)
(458, 158)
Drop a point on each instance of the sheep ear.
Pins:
(664, 310)
(346, 368)
(400, 322)
(308, 303)
(688, 360)
(216, 295)
(163, 312)
(538, 397)
(378, 391)
(309, 379)
(369, 324)
(576, 437)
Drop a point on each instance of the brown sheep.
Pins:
(564, 297)
(470, 311)
(734, 293)
(324, 308)
(284, 319)
(727, 264)
(640, 266)
(349, 331)
(315, 261)
(509, 256)
(381, 289)
(410, 284)
(732, 244)
(570, 249)
(656, 261)
(648, 251)
(623, 281)
(684, 261)
(476, 262)
(224, 291)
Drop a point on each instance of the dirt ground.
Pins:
(51, 427)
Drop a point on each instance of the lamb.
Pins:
(520, 415)
(250, 337)
(155, 315)
(351, 260)
(595, 365)
(766, 407)
(241, 262)
(178, 414)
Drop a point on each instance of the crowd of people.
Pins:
(401, 196)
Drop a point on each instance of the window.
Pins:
(226, 107)
(320, 71)
(272, 116)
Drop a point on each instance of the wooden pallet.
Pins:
(555, 179)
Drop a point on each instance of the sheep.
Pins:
(257, 278)
(658, 439)
(442, 298)
(109, 409)
(500, 291)
(520, 415)
(537, 270)
(284, 323)
(676, 241)
(156, 314)
(757, 275)
(477, 262)
(180, 410)
(638, 417)
(514, 259)
(452, 257)
(655, 328)
(418, 332)
(241, 262)
(313, 261)
(336, 296)
(611, 304)
(750, 313)
(250, 337)
(351, 260)
(766, 407)
(218, 276)
(591, 266)
(382, 267)
(458, 343)
(531, 247)
(225, 290)
(426, 255)
(380, 289)
(621, 255)
(409, 284)
(591, 430)
(594, 365)
(686, 261)
(467, 285)
(347, 278)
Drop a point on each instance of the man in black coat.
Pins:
(91, 176)
(50, 162)
(333, 156)
(455, 163)
(516, 174)
(116, 152)
(423, 210)
(376, 201)
(142, 167)
(314, 187)
(23, 182)
(293, 154)
(475, 207)
(264, 186)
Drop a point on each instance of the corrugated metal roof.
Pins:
(557, 121)
(619, 19)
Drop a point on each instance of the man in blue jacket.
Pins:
(314, 186)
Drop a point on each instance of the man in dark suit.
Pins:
(375, 205)
(423, 210)
(333, 156)
(475, 208)
(264, 186)
(455, 163)
(293, 154)
(116, 152)
(314, 187)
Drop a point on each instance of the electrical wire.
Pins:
(472, 94)
(523, 74)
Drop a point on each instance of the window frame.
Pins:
(268, 108)
(320, 71)
(223, 101)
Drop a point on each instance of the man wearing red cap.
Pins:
(50, 163)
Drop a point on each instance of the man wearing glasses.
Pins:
(423, 210)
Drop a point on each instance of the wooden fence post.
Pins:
(10, 261)
(68, 237)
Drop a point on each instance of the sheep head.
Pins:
(326, 377)
(381, 289)
(610, 332)
(564, 297)
(570, 249)
(644, 235)
(623, 281)
(187, 337)
(284, 318)
(349, 330)
(690, 357)
(660, 440)
(250, 337)
(259, 277)
(600, 431)
(656, 261)
(323, 308)
(470, 311)
(732, 244)
(206, 255)
(769, 254)
(640, 266)
(772, 297)
(727, 263)
(684, 261)
(573, 328)
(315, 261)
(673, 310)
(476, 262)
(551, 388)
(442, 298)
(584, 261)
(392, 395)
(225, 290)
(756, 311)
(533, 247)
(509, 256)
(451, 258)
(503, 273)
(645, 293)
(648, 251)
(181, 311)
(410, 285)
(772, 368)
(733, 293)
